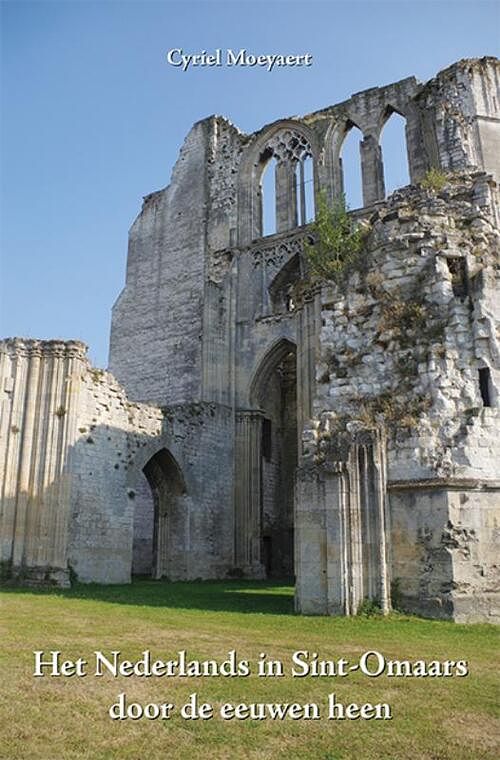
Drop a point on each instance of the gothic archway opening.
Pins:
(269, 225)
(350, 166)
(275, 395)
(160, 519)
(394, 152)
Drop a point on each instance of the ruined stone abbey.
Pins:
(257, 423)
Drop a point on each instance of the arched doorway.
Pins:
(160, 521)
(274, 394)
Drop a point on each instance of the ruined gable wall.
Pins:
(242, 324)
(155, 350)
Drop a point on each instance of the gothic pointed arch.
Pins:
(159, 526)
(394, 149)
(290, 144)
(349, 159)
(281, 287)
(266, 365)
(266, 464)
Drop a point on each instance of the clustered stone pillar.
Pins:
(39, 419)
(344, 513)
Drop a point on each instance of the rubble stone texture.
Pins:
(257, 424)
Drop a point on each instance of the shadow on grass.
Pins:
(265, 597)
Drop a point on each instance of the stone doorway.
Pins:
(275, 395)
(160, 519)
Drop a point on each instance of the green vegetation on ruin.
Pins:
(434, 180)
(52, 718)
(338, 240)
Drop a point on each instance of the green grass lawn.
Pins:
(59, 718)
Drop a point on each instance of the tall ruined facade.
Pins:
(255, 425)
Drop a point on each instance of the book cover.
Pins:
(249, 380)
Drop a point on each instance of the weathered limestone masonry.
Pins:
(76, 449)
(404, 435)
(263, 425)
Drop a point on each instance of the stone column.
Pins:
(248, 518)
(286, 196)
(380, 494)
(69, 395)
(43, 378)
(421, 144)
(372, 171)
(24, 494)
(311, 544)
(55, 457)
(162, 538)
(337, 180)
(357, 532)
(14, 371)
(338, 555)
(308, 327)
(36, 535)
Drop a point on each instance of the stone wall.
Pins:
(199, 542)
(75, 453)
(66, 448)
(460, 114)
(111, 432)
(402, 345)
(165, 275)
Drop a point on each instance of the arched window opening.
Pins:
(285, 191)
(350, 160)
(268, 198)
(304, 183)
(394, 153)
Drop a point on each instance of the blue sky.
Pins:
(93, 119)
